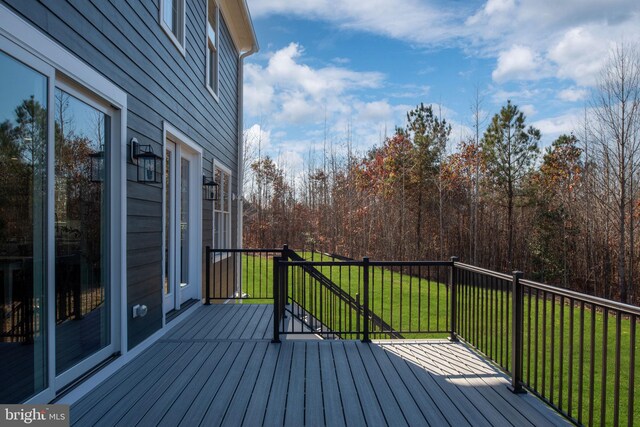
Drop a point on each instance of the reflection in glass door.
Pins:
(184, 221)
(169, 235)
(82, 313)
(23, 178)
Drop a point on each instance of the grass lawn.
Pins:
(416, 307)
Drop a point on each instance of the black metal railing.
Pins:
(245, 274)
(575, 351)
(361, 299)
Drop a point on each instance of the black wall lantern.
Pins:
(97, 166)
(149, 163)
(210, 189)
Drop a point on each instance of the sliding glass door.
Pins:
(82, 135)
(23, 200)
(56, 212)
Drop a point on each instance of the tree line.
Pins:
(565, 214)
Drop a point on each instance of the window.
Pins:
(222, 210)
(213, 36)
(172, 21)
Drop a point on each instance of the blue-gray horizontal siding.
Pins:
(123, 41)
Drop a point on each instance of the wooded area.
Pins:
(566, 214)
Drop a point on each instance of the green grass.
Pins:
(415, 306)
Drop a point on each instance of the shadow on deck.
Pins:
(219, 367)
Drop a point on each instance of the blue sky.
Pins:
(360, 65)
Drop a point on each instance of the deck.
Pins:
(218, 367)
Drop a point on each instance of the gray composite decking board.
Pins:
(331, 399)
(313, 409)
(171, 406)
(236, 325)
(257, 406)
(484, 386)
(239, 381)
(222, 326)
(296, 391)
(133, 386)
(265, 329)
(386, 398)
(433, 413)
(209, 323)
(126, 410)
(199, 405)
(411, 411)
(351, 404)
(274, 412)
(237, 409)
(531, 408)
(364, 390)
(477, 399)
(143, 363)
(256, 320)
(152, 414)
(224, 379)
(444, 394)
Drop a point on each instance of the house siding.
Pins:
(123, 41)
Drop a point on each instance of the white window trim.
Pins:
(17, 34)
(225, 169)
(179, 44)
(216, 95)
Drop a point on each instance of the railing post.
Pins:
(453, 285)
(365, 291)
(284, 296)
(276, 300)
(208, 276)
(516, 330)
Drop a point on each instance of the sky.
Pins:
(331, 71)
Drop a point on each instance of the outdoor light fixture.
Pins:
(97, 166)
(149, 163)
(210, 189)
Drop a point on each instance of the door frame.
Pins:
(27, 44)
(184, 144)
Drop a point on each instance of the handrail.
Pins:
(602, 302)
(480, 270)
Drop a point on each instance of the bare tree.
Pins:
(616, 107)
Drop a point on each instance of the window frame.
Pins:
(215, 45)
(178, 41)
(227, 223)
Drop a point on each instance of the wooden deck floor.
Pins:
(218, 367)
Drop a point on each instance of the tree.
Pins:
(616, 106)
(510, 150)
(430, 135)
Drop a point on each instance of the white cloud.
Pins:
(573, 94)
(529, 110)
(518, 63)
(580, 54)
(553, 127)
(257, 138)
(287, 89)
(402, 20)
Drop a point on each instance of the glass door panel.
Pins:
(23, 177)
(184, 221)
(82, 313)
